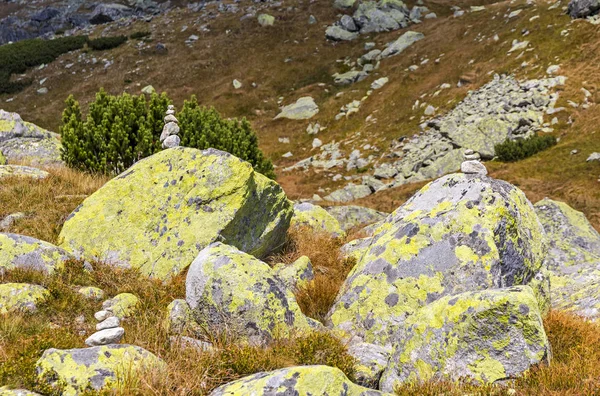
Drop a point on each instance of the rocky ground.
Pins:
(394, 253)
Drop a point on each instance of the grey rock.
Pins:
(105, 337)
(371, 361)
(337, 33)
(473, 167)
(303, 109)
(402, 43)
(583, 8)
(108, 323)
(349, 77)
(349, 193)
(171, 141)
(347, 23)
(354, 216)
(103, 315)
(10, 219)
(593, 157)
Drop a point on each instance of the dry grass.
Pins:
(46, 203)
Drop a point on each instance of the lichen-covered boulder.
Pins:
(122, 305)
(371, 361)
(161, 212)
(20, 251)
(229, 289)
(302, 381)
(573, 258)
(483, 336)
(354, 216)
(316, 218)
(296, 274)
(180, 318)
(22, 171)
(4, 391)
(40, 152)
(91, 293)
(21, 297)
(100, 368)
(459, 233)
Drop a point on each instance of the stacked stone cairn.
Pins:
(108, 330)
(169, 137)
(471, 164)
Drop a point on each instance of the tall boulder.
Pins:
(161, 212)
(573, 258)
(229, 289)
(302, 380)
(483, 336)
(457, 234)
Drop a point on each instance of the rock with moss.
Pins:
(459, 233)
(316, 218)
(2, 159)
(22, 171)
(22, 141)
(102, 368)
(180, 318)
(302, 380)
(161, 212)
(484, 336)
(91, 293)
(4, 391)
(351, 216)
(123, 305)
(297, 274)
(20, 251)
(21, 297)
(229, 289)
(371, 361)
(573, 258)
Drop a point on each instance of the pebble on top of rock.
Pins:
(303, 109)
(101, 368)
(229, 289)
(459, 233)
(161, 212)
(20, 251)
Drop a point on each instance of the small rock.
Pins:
(105, 337)
(102, 315)
(237, 84)
(573, 152)
(108, 323)
(593, 157)
(473, 167)
(266, 20)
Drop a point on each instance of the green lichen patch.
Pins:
(100, 368)
(484, 337)
(21, 297)
(302, 380)
(19, 251)
(229, 289)
(122, 305)
(459, 233)
(161, 212)
(316, 218)
(297, 274)
(91, 292)
(180, 319)
(573, 258)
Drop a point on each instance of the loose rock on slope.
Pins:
(161, 212)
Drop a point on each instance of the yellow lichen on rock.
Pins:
(21, 297)
(317, 219)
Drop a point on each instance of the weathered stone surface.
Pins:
(484, 336)
(573, 258)
(353, 216)
(100, 368)
(22, 171)
(337, 33)
(349, 77)
(22, 141)
(349, 193)
(296, 274)
(316, 218)
(266, 20)
(160, 213)
(403, 42)
(21, 297)
(583, 8)
(302, 380)
(20, 251)
(122, 305)
(226, 288)
(473, 167)
(459, 233)
(303, 109)
(108, 323)
(105, 337)
(371, 361)
(91, 292)
(4, 391)
(180, 318)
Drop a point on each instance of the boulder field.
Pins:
(453, 285)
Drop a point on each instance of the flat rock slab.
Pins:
(304, 109)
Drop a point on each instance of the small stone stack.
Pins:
(108, 330)
(471, 164)
(170, 131)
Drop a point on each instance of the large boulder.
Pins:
(354, 216)
(302, 380)
(303, 109)
(21, 297)
(101, 368)
(22, 141)
(229, 289)
(573, 258)
(161, 212)
(19, 251)
(484, 336)
(458, 233)
(316, 218)
(583, 8)
(297, 274)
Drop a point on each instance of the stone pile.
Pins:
(503, 109)
(108, 330)
(169, 137)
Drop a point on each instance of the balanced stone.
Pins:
(108, 323)
(105, 337)
(473, 167)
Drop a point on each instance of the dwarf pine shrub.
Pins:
(106, 43)
(515, 150)
(120, 130)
